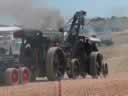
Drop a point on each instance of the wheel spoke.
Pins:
(57, 65)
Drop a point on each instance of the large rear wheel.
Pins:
(55, 65)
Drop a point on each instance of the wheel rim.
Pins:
(26, 76)
(14, 76)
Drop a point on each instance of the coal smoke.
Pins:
(28, 16)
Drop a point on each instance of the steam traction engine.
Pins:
(77, 55)
(41, 56)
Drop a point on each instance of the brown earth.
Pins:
(117, 55)
(116, 84)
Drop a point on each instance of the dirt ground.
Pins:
(116, 84)
(117, 55)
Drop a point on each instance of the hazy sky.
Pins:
(93, 7)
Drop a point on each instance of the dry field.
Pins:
(116, 84)
(117, 55)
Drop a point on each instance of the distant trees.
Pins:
(113, 23)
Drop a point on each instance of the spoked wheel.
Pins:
(74, 70)
(55, 64)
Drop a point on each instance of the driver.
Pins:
(88, 46)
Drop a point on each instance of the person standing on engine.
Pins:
(88, 47)
(94, 47)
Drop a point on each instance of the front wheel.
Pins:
(74, 69)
